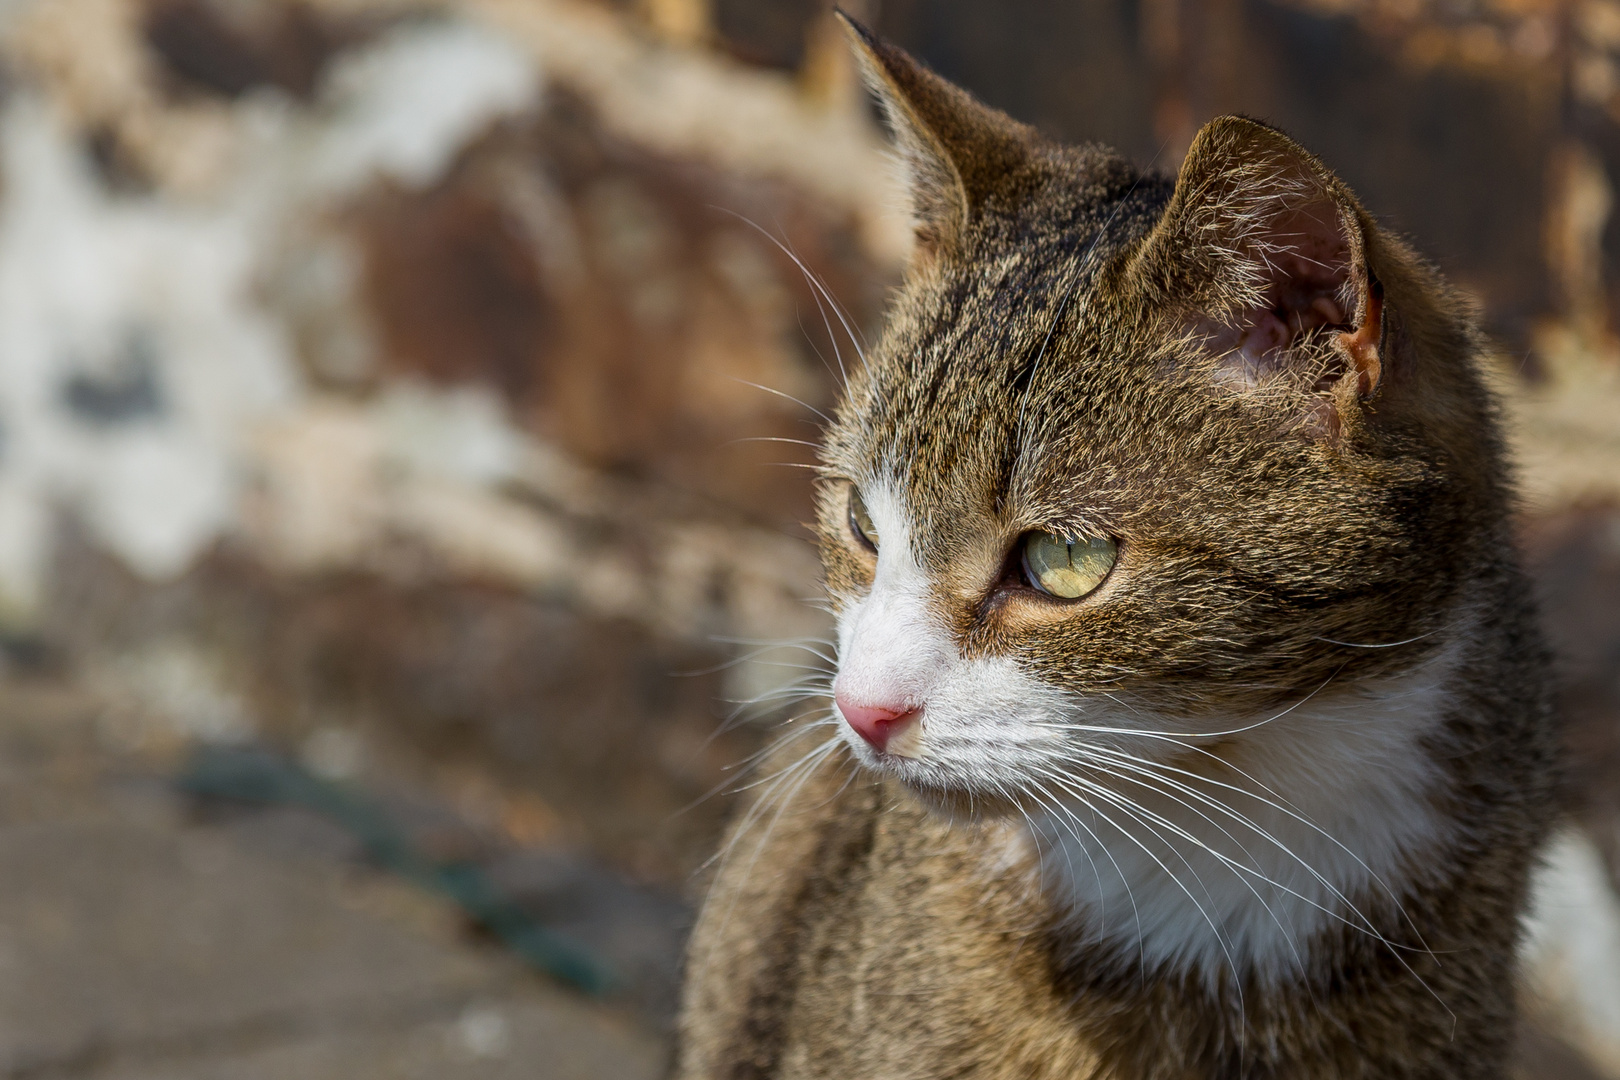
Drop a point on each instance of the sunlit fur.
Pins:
(1261, 804)
(1190, 845)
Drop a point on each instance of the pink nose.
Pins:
(877, 724)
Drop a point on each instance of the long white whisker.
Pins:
(1369, 929)
(773, 438)
(1136, 812)
(787, 397)
(796, 731)
(772, 784)
(1060, 813)
(1286, 931)
(1148, 769)
(1276, 802)
(795, 778)
(840, 374)
(754, 655)
(815, 282)
(1220, 936)
(1101, 729)
(838, 354)
(1384, 644)
(774, 643)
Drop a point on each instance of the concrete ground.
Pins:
(140, 941)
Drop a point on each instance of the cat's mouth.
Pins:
(952, 792)
(959, 775)
(907, 742)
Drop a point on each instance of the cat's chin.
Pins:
(959, 805)
(941, 791)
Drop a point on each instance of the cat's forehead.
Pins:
(1008, 349)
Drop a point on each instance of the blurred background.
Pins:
(397, 486)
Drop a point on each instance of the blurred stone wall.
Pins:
(1471, 126)
(433, 379)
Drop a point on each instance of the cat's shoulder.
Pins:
(850, 893)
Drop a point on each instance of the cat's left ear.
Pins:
(958, 152)
(1263, 255)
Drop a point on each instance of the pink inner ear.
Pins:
(1303, 262)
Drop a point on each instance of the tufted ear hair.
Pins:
(957, 151)
(1262, 255)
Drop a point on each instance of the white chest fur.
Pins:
(1238, 855)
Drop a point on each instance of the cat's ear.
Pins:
(957, 151)
(1263, 256)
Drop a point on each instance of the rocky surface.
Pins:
(142, 935)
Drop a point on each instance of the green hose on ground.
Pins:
(254, 775)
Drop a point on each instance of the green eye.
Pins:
(1066, 568)
(860, 522)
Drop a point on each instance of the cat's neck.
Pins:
(1244, 851)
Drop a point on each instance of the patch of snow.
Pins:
(403, 107)
(459, 433)
(1573, 952)
(168, 690)
(130, 354)
(137, 355)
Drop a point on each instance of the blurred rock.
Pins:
(139, 938)
(1574, 936)
(413, 410)
(1577, 561)
(230, 48)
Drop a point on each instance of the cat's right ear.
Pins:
(1262, 259)
(957, 151)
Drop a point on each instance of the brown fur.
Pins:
(1062, 358)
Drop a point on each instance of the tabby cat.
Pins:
(1189, 717)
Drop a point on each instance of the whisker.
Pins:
(1174, 736)
(1130, 893)
(1287, 935)
(1220, 937)
(771, 784)
(1369, 928)
(1278, 803)
(721, 787)
(841, 375)
(767, 703)
(773, 438)
(787, 397)
(1136, 812)
(815, 282)
(1146, 770)
(784, 643)
(1383, 644)
(838, 354)
(805, 769)
(761, 649)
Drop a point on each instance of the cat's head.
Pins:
(1137, 455)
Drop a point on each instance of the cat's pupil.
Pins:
(1067, 569)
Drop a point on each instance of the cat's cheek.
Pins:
(847, 573)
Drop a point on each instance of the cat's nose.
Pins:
(877, 724)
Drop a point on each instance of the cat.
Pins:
(1190, 718)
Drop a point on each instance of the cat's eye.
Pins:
(860, 522)
(1068, 569)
